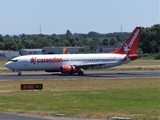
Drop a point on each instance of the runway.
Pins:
(100, 74)
(10, 116)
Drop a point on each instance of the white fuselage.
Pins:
(54, 62)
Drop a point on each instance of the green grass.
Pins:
(100, 98)
(2, 62)
(139, 64)
(2, 67)
(142, 62)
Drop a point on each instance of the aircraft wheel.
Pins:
(71, 73)
(80, 73)
(19, 74)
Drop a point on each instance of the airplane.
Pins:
(77, 63)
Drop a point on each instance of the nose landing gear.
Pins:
(19, 72)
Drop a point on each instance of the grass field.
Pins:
(139, 64)
(2, 62)
(137, 98)
(143, 62)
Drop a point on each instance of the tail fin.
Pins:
(130, 46)
(65, 51)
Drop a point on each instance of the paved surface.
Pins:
(8, 116)
(5, 116)
(101, 74)
(43, 75)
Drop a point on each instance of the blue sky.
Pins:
(78, 16)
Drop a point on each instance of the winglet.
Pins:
(130, 46)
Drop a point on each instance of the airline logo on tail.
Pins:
(126, 47)
(65, 51)
(130, 46)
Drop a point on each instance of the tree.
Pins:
(57, 41)
(105, 41)
(43, 42)
(7, 36)
(66, 43)
(85, 41)
(22, 36)
(68, 33)
(94, 43)
(20, 45)
(27, 43)
(1, 38)
(150, 39)
(79, 43)
(10, 44)
(2, 46)
(119, 38)
(15, 37)
(157, 38)
(72, 41)
(93, 34)
(113, 41)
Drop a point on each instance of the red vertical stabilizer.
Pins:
(130, 46)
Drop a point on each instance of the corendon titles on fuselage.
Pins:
(35, 60)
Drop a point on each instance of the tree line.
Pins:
(149, 40)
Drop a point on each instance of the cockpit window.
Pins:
(14, 60)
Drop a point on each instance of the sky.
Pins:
(78, 16)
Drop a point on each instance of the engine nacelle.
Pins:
(69, 69)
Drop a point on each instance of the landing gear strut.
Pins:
(81, 72)
(19, 73)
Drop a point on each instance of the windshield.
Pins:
(14, 60)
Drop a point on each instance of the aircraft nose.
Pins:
(7, 65)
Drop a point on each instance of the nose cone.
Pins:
(7, 65)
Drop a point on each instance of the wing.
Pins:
(93, 65)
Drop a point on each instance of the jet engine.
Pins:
(69, 69)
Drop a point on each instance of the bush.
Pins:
(146, 55)
(157, 56)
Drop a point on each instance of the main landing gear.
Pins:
(80, 72)
(19, 73)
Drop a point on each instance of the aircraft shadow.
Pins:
(61, 76)
(110, 75)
